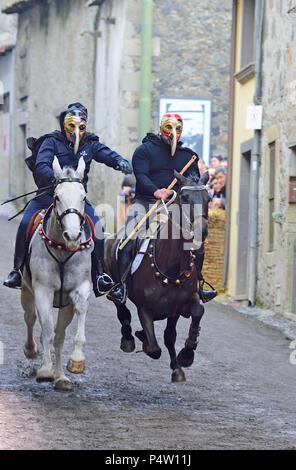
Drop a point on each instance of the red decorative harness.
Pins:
(59, 245)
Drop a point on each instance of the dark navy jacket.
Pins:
(56, 144)
(154, 165)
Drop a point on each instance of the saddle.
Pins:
(33, 225)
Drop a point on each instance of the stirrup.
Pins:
(120, 297)
(206, 295)
(107, 280)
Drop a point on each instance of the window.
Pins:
(4, 106)
(271, 191)
(248, 34)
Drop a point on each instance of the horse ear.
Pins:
(56, 167)
(80, 168)
(204, 178)
(180, 177)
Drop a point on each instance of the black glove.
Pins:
(124, 166)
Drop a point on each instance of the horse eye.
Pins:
(57, 198)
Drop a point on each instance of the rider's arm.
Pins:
(141, 167)
(103, 154)
(43, 166)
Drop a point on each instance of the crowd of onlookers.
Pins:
(217, 170)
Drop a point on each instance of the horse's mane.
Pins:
(68, 172)
(194, 179)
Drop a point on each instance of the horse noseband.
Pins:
(71, 211)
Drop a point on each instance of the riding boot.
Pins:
(205, 295)
(119, 292)
(102, 282)
(14, 279)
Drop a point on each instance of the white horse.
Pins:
(58, 273)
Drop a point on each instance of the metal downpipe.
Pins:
(255, 158)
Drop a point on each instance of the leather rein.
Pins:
(50, 243)
(151, 252)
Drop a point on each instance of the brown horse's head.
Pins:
(194, 200)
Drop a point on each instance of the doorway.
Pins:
(243, 216)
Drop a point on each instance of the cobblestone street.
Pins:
(239, 394)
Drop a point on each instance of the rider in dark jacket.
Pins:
(154, 162)
(69, 144)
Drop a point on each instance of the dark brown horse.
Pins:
(165, 286)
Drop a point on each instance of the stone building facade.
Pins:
(277, 202)
(263, 160)
(7, 42)
(67, 51)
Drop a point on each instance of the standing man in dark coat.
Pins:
(154, 162)
(68, 145)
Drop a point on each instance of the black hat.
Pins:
(77, 106)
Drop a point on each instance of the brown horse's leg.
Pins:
(150, 345)
(186, 355)
(127, 343)
(170, 335)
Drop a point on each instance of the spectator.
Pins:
(201, 166)
(126, 196)
(223, 163)
(215, 161)
(221, 178)
(215, 193)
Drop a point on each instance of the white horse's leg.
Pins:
(65, 316)
(28, 304)
(44, 301)
(79, 297)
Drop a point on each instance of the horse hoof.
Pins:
(154, 353)
(63, 385)
(44, 375)
(185, 357)
(31, 353)
(127, 345)
(178, 376)
(76, 367)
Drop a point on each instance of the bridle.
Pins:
(84, 221)
(192, 188)
(72, 210)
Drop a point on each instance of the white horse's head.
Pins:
(69, 199)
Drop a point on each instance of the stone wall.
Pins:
(54, 67)
(194, 58)
(8, 29)
(275, 266)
